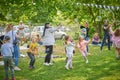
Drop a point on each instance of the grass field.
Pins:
(101, 66)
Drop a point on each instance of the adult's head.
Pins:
(9, 27)
(20, 22)
(86, 24)
(105, 22)
(47, 25)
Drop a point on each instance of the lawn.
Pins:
(101, 66)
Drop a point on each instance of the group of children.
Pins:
(7, 50)
(69, 49)
(82, 45)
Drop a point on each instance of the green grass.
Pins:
(101, 66)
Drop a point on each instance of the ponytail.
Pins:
(45, 27)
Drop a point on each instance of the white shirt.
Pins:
(49, 39)
(69, 49)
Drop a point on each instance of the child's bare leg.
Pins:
(85, 56)
(117, 53)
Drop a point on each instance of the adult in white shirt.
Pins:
(48, 42)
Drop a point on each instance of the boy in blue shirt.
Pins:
(7, 50)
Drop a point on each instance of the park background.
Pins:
(69, 13)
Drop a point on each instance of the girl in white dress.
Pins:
(69, 52)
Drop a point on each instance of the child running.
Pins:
(7, 50)
(69, 46)
(116, 41)
(32, 51)
(82, 47)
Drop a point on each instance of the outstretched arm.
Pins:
(111, 31)
(89, 40)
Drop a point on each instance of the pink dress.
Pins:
(116, 41)
(82, 47)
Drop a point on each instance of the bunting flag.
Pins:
(101, 6)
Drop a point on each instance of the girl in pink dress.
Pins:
(116, 41)
(82, 47)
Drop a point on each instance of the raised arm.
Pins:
(111, 31)
(88, 41)
(111, 25)
(54, 29)
(70, 44)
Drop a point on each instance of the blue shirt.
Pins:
(7, 49)
(12, 35)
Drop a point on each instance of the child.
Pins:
(69, 46)
(7, 50)
(96, 39)
(39, 39)
(32, 51)
(83, 32)
(116, 41)
(82, 47)
(65, 46)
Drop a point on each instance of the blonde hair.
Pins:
(8, 27)
(96, 34)
(80, 38)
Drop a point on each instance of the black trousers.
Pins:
(49, 51)
(106, 36)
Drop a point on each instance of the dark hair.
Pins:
(7, 38)
(45, 27)
(117, 32)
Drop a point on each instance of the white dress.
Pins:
(69, 49)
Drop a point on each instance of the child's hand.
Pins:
(89, 40)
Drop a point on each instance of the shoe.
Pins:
(46, 64)
(31, 67)
(86, 61)
(71, 67)
(117, 58)
(66, 68)
(50, 63)
(17, 68)
(14, 78)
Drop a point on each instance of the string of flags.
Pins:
(101, 6)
